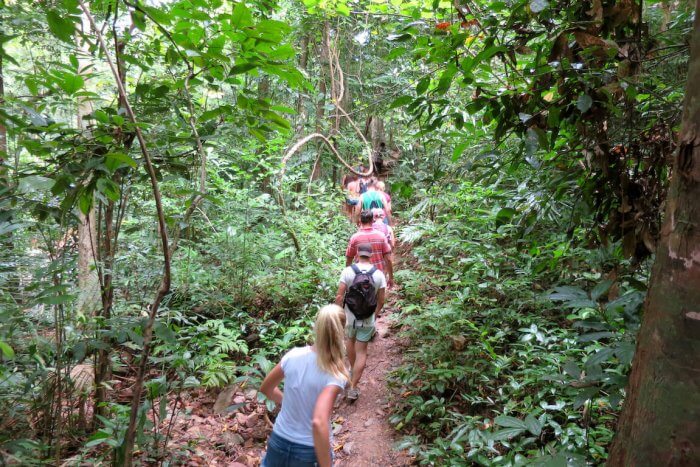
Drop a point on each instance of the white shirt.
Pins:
(303, 382)
(346, 277)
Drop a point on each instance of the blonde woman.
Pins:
(314, 376)
(381, 187)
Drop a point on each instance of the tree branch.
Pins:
(128, 445)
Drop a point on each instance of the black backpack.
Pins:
(361, 297)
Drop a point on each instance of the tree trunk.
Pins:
(660, 421)
(264, 93)
(91, 295)
(88, 283)
(374, 132)
(321, 102)
(7, 243)
(303, 65)
(3, 130)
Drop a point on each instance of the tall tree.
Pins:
(660, 422)
(321, 98)
(3, 130)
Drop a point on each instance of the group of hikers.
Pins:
(315, 375)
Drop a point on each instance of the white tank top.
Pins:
(303, 382)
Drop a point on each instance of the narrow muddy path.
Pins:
(363, 435)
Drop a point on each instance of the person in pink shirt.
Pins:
(352, 186)
(381, 226)
(381, 250)
(381, 187)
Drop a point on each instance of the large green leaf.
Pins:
(400, 101)
(534, 426)
(510, 422)
(584, 103)
(506, 433)
(505, 215)
(241, 16)
(70, 82)
(7, 351)
(61, 26)
(108, 188)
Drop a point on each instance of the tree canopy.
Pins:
(172, 216)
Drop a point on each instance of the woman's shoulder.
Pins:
(298, 357)
(297, 352)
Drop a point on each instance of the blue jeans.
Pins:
(284, 453)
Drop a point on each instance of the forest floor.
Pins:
(363, 436)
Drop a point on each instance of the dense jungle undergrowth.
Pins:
(164, 239)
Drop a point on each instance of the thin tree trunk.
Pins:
(3, 130)
(7, 243)
(127, 448)
(89, 286)
(303, 65)
(374, 131)
(660, 421)
(321, 103)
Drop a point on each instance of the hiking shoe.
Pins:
(353, 394)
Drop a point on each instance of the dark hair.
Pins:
(366, 216)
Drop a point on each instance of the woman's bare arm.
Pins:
(270, 386)
(321, 423)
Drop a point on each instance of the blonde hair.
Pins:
(329, 332)
(381, 186)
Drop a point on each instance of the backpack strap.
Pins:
(373, 270)
(355, 269)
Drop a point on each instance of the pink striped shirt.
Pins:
(380, 246)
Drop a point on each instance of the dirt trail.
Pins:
(362, 433)
(363, 436)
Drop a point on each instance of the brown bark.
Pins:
(130, 436)
(4, 176)
(303, 65)
(88, 282)
(3, 130)
(660, 421)
(374, 131)
(321, 103)
(7, 242)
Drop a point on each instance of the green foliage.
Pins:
(497, 373)
(531, 140)
(563, 83)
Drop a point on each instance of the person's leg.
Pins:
(350, 346)
(360, 359)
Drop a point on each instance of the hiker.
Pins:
(381, 250)
(378, 158)
(363, 181)
(371, 199)
(383, 227)
(362, 290)
(314, 376)
(381, 187)
(352, 197)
